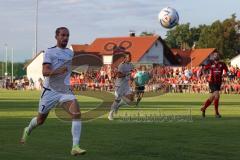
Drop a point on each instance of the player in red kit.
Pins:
(215, 80)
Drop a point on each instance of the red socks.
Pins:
(207, 104)
(216, 101)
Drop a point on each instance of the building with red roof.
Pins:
(193, 57)
(144, 49)
(147, 49)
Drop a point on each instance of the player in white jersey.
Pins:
(56, 69)
(123, 91)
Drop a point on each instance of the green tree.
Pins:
(182, 36)
(231, 37)
(224, 36)
(18, 70)
(212, 36)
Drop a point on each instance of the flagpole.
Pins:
(6, 59)
(36, 29)
(3, 65)
(12, 66)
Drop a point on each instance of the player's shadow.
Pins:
(98, 110)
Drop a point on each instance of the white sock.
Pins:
(32, 125)
(114, 106)
(122, 102)
(76, 131)
(111, 113)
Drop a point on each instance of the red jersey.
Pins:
(216, 71)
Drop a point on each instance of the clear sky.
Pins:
(89, 19)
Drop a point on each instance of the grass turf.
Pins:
(207, 138)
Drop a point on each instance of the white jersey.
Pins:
(58, 57)
(124, 68)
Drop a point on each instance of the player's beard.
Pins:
(63, 44)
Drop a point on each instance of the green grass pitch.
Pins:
(125, 139)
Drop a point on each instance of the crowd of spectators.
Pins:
(195, 80)
(22, 83)
(169, 79)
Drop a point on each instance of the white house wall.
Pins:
(154, 54)
(107, 59)
(34, 69)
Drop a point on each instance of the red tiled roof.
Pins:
(144, 44)
(197, 55)
(79, 48)
(183, 56)
(140, 46)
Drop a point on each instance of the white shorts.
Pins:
(50, 99)
(122, 91)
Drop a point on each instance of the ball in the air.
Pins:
(168, 17)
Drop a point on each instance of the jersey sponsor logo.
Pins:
(61, 60)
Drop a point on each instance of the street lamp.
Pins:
(3, 65)
(12, 66)
(6, 59)
(36, 28)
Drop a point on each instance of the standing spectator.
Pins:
(31, 84)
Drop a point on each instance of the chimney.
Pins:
(132, 33)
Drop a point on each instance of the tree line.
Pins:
(18, 70)
(222, 35)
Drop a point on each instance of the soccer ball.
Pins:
(168, 17)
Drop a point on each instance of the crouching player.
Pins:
(123, 91)
(141, 78)
(215, 80)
